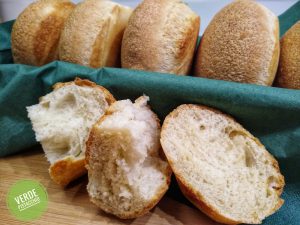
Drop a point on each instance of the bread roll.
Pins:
(35, 33)
(240, 44)
(93, 33)
(161, 36)
(289, 64)
(220, 167)
(127, 173)
(62, 121)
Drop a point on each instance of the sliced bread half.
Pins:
(62, 121)
(127, 172)
(220, 167)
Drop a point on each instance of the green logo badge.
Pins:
(27, 200)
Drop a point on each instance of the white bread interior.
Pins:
(127, 174)
(221, 167)
(62, 121)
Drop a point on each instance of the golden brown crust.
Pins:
(93, 33)
(186, 48)
(66, 170)
(99, 46)
(160, 193)
(275, 58)
(161, 36)
(198, 200)
(194, 195)
(289, 64)
(240, 44)
(91, 138)
(87, 83)
(36, 32)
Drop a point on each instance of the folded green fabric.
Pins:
(5, 47)
(271, 114)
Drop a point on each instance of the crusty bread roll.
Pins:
(289, 64)
(127, 173)
(62, 121)
(220, 167)
(35, 33)
(240, 44)
(161, 36)
(93, 33)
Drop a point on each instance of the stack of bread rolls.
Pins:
(89, 34)
(240, 44)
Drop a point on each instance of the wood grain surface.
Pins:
(72, 206)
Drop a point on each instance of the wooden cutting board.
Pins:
(72, 206)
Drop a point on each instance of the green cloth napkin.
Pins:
(271, 114)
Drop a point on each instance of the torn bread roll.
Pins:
(161, 36)
(36, 31)
(127, 172)
(62, 121)
(289, 64)
(240, 44)
(93, 34)
(220, 167)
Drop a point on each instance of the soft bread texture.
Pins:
(289, 64)
(35, 33)
(93, 34)
(240, 44)
(62, 121)
(220, 167)
(161, 36)
(127, 172)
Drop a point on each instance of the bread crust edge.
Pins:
(196, 198)
(284, 75)
(66, 170)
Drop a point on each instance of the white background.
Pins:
(9, 9)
